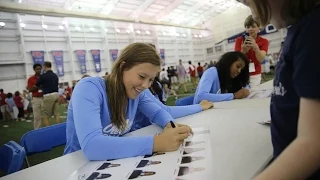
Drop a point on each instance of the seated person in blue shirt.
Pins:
(156, 93)
(226, 81)
(102, 110)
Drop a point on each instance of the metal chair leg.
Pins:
(27, 161)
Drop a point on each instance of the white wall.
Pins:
(16, 44)
(12, 69)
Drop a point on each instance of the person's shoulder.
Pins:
(32, 78)
(95, 80)
(239, 39)
(212, 69)
(262, 39)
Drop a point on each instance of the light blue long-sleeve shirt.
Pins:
(10, 103)
(89, 126)
(209, 88)
(175, 111)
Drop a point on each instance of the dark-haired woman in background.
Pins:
(226, 81)
(155, 92)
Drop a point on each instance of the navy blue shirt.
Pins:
(297, 76)
(48, 82)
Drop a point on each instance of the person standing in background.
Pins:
(49, 82)
(19, 103)
(205, 66)
(192, 72)
(12, 106)
(37, 96)
(182, 76)
(199, 70)
(27, 103)
(210, 65)
(255, 47)
(3, 105)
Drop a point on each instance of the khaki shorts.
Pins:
(50, 106)
(182, 79)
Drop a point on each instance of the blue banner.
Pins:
(81, 55)
(38, 57)
(96, 59)
(162, 57)
(269, 29)
(114, 54)
(58, 59)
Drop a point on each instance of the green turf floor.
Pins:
(15, 130)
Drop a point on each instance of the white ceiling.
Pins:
(185, 12)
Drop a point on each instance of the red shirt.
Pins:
(200, 69)
(3, 99)
(18, 101)
(263, 46)
(32, 82)
(192, 73)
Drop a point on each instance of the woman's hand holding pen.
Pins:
(171, 138)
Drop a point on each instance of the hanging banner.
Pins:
(114, 54)
(81, 55)
(96, 59)
(38, 57)
(162, 57)
(58, 59)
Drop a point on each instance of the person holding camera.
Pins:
(255, 47)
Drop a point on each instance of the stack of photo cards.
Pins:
(110, 170)
(191, 161)
(196, 156)
(158, 166)
(260, 94)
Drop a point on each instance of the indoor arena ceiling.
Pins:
(186, 12)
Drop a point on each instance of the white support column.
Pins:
(23, 52)
(189, 37)
(86, 49)
(71, 50)
(105, 46)
(114, 26)
(45, 40)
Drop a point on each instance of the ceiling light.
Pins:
(128, 31)
(200, 36)
(118, 30)
(177, 34)
(61, 27)
(2, 24)
(22, 25)
(184, 35)
(164, 33)
(138, 31)
(44, 26)
(147, 32)
(105, 29)
(92, 29)
(78, 28)
(195, 35)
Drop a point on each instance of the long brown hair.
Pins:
(134, 54)
(291, 12)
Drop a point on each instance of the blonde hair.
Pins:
(134, 54)
(291, 12)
